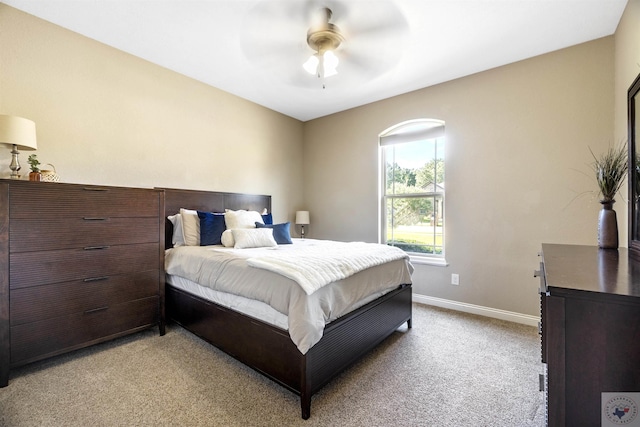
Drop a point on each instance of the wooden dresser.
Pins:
(590, 327)
(79, 264)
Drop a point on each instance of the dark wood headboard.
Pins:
(208, 201)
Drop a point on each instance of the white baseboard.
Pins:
(478, 309)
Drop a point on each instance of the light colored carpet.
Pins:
(450, 369)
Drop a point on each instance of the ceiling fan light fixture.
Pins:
(330, 63)
(325, 65)
(311, 66)
(323, 37)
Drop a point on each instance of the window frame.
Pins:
(404, 132)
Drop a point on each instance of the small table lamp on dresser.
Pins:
(302, 219)
(19, 132)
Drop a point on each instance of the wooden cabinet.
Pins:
(80, 264)
(590, 328)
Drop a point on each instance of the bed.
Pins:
(265, 345)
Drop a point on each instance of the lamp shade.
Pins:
(18, 131)
(302, 217)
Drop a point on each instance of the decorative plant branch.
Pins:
(34, 163)
(611, 170)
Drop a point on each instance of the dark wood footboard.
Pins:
(270, 351)
(349, 338)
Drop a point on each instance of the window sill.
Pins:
(438, 262)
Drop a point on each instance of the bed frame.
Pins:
(265, 348)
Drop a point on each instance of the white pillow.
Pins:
(178, 238)
(242, 219)
(227, 239)
(253, 238)
(190, 227)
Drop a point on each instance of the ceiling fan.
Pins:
(324, 38)
(356, 41)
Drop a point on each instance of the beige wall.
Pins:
(517, 154)
(627, 63)
(518, 141)
(106, 117)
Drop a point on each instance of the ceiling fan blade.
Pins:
(270, 37)
(369, 18)
(382, 29)
(255, 47)
(283, 12)
(367, 66)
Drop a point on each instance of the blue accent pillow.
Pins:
(267, 219)
(281, 233)
(211, 228)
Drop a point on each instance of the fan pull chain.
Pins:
(320, 77)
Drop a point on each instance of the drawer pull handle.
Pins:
(95, 189)
(89, 218)
(94, 310)
(92, 248)
(96, 279)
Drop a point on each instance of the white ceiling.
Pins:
(255, 49)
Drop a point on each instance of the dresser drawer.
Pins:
(62, 233)
(48, 301)
(33, 341)
(39, 268)
(49, 200)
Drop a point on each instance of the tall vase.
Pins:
(607, 226)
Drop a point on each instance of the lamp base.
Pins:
(15, 165)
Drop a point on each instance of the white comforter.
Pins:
(316, 265)
(228, 270)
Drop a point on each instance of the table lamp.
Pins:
(302, 219)
(19, 132)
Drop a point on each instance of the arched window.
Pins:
(413, 188)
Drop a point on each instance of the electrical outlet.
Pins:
(455, 279)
